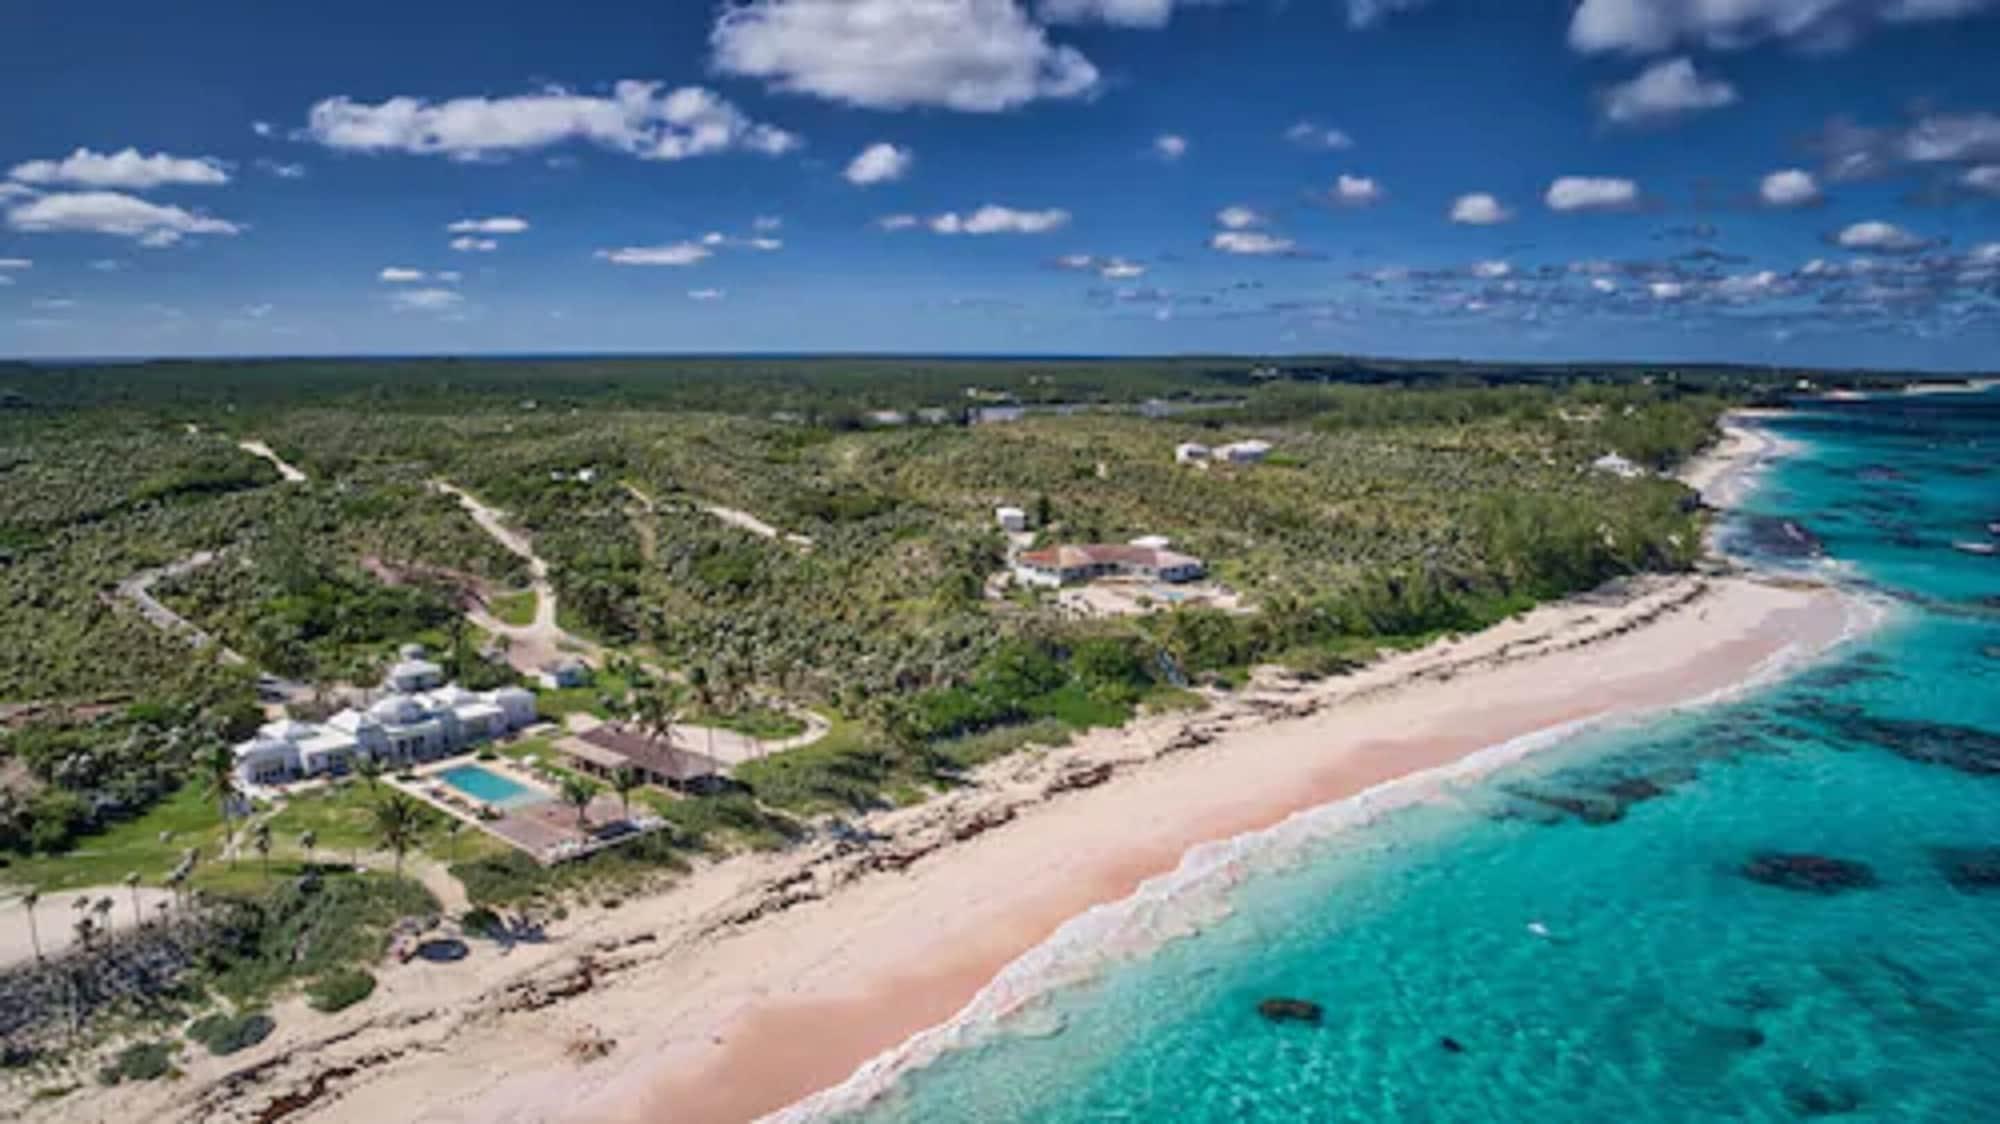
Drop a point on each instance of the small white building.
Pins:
(564, 673)
(1243, 452)
(413, 672)
(1071, 565)
(1617, 466)
(1012, 520)
(1191, 452)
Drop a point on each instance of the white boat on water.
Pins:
(1985, 548)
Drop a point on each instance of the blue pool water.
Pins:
(486, 786)
(1663, 984)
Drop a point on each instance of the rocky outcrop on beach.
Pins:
(1279, 1009)
(1971, 869)
(1815, 874)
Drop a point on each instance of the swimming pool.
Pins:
(487, 786)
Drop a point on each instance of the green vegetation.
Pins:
(226, 1034)
(141, 1061)
(516, 608)
(339, 990)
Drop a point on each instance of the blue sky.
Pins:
(1793, 181)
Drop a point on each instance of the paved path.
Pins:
(258, 449)
(532, 646)
(742, 520)
(138, 589)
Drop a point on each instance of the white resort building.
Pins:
(400, 728)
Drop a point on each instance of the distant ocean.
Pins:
(1574, 938)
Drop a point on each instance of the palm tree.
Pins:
(132, 884)
(396, 821)
(260, 838)
(308, 839)
(217, 766)
(369, 769)
(624, 779)
(653, 712)
(451, 829)
(577, 793)
(28, 901)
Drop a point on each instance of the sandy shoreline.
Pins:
(764, 980)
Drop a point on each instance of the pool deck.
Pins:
(538, 824)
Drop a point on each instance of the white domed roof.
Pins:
(397, 708)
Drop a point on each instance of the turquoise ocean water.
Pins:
(1664, 984)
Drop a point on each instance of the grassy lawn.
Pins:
(516, 608)
(764, 723)
(587, 699)
(343, 820)
(186, 819)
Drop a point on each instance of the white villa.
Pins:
(1191, 452)
(565, 672)
(1069, 565)
(1243, 452)
(399, 728)
(1011, 519)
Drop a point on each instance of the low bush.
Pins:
(226, 1034)
(339, 990)
(141, 1061)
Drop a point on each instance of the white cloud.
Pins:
(1667, 290)
(1356, 191)
(263, 128)
(1666, 89)
(1367, 13)
(281, 169)
(1170, 146)
(426, 300)
(1789, 187)
(52, 304)
(1310, 134)
(450, 276)
(1491, 270)
(1948, 137)
(16, 263)
(899, 222)
(1479, 209)
(705, 294)
(466, 244)
(994, 219)
(1984, 178)
(675, 253)
(1648, 26)
(258, 311)
(1591, 193)
(765, 224)
(6, 280)
(979, 56)
(401, 275)
(9, 190)
(1750, 286)
(499, 224)
(1604, 284)
(1255, 243)
(129, 169)
(1238, 217)
(1879, 237)
(879, 163)
(1118, 269)
(638, 119)
(1118, 13)
(110, 212)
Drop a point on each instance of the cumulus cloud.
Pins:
(1118, 13)
(129, 169)
(1789, 187)
(1591, 193)
(1238, 217)
(879, 163)
(1356, 191)
(1254, 243)
(111, 212)
(1491, 270)
(466, 244)
(281, 169)
(705, 294)
(1879, 238)
(1170, 146)
(674, 253)
(1985, 178)
(426, 300)
(1111, 269)
(1667, 290)
(499, 224)
(978, 56)
(1479, 209)
(1669, 89)
(1321, 138)
(641, 119)
(989, 219)
(16, 263)
(1649, 26)
(401, 275)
